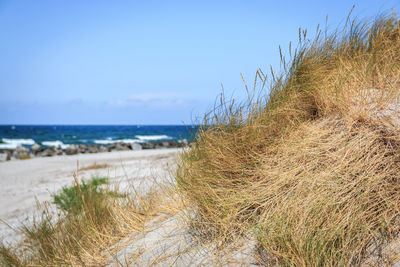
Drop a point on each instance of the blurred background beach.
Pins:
(84, 77)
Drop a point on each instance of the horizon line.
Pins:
(81, 124)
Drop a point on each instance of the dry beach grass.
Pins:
(314, 171)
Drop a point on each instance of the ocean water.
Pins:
(12, 136)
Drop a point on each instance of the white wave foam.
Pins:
(131, 141)
(14, 143)
(140, 139)
(104, 142)
(126, 141)
(19, 141)
(8, 146)
(152, 137)
(55, 144)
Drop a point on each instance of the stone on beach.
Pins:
(121, 147)
(21, 149)
(48, 152)
(35, 149)
(71, 150)
(136, 146)
(92, 149)
(21, 152)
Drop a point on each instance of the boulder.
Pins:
(72, 150)
(35, 149)
(173, 144)
(161, 145)
(82, 148)
(21, 152)
(112, 146)
(121, 147)
(103, 149)
(136, 146)
(165, 144)
(48, 152)
(22, 155)
(21, 149)
(92, 149)
(149, 145)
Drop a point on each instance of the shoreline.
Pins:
(28, 152)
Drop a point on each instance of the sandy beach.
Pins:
(22, 182)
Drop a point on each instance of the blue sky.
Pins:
(144, 62)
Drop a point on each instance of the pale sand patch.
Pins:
(23, 181)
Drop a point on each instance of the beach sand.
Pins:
(24, 182)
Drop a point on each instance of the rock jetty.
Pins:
(36, 150)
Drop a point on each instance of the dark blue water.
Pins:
(12, 135)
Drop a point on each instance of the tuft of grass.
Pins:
(88, 221)
(312, 168)
(71, 199)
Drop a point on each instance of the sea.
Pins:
(12, 136)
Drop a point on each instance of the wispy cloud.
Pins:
(151, 100)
